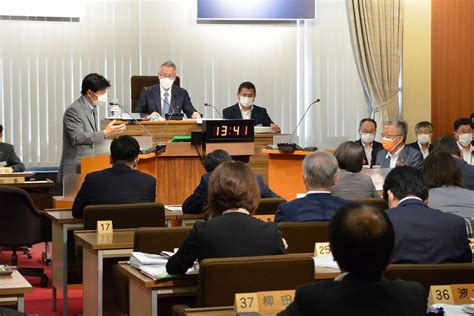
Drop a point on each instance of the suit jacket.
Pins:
(195, 203)
(408, 157)
(467, 171)
(150, 101)
(453, 200)
(312, 207)
(356, 297)
(79, 136)
(229, 235)
(259, 114)
(426, 235)
(376, 146)
(351, 186)
(117, 185)
(417, 147)
(7, 155)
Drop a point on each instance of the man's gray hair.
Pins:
(401, 126)
(319, 169)
(169, 63)
(424, 124)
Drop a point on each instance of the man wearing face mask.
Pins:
(8, 158)
(395, 153)
(165, 98)
(424, 132)
(367, 131)
(245, 109)
(463, 134)
(81, 125)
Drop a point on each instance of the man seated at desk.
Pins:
(245, 109)
(165, 98)
(121, 184)
(8, 158)
(196, 202)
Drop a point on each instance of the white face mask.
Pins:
(101, 99)
(423, 138)
(465, 139)
(245, 101)
(166, 83)
(367, 138)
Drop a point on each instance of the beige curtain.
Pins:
(376, 32)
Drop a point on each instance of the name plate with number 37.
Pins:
(104, 227)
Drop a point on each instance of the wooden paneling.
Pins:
(452, 43)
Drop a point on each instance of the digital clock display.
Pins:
(228, 131)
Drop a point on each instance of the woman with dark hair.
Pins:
(350, 183)
(233, 196)
(446, 185)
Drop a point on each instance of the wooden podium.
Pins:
(285, 172)
(177, 171)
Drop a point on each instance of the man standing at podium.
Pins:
(81, 125)
(165, 98)
(245, 109)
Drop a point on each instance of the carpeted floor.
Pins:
(39, 302)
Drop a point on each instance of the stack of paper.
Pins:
(154, 266)
(140, 259)
(325, 261)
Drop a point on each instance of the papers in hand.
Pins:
(325, 262)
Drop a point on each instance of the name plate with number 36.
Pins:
(104, 227)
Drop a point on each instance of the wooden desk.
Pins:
(285, 172)
(144, 292)
(41, 192)
(62, 223)
(13, 288)
(95, 249)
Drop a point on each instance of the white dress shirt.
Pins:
(246, 115)
(394, 157)
(424, 152)
(368, 151)
(467, 154)
(162, 94)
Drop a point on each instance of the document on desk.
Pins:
(452, 310)
(174, 208)
(154, 266)
(325, 261)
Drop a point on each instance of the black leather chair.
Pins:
(268, 206)
(142, 82)
(21, 226)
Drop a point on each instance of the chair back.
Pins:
(432, 274)
(142, 82)
(155, 240)
(301, 236)
(219, 279)
(125, 215)
(378, 203)
(21, 224)
(268, 205)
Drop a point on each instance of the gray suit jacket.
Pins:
(79, 137)
(409, 156)
(454, 200)
(8, 156)
(351, 186)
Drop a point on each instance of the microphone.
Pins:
(291, 147)
(160, 148)
(212, 106)
(138, 122)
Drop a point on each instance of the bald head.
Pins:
(361, 239)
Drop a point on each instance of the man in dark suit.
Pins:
(319, 171)
(422, 234)
(81, 125)
(121, 184)
(361, 240)
(165, 98)
(395, 152)
(196, 202)
(8, 158)
(367, 132)
(424, 133)
(245, 109)
(449, 144)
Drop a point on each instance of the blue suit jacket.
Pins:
(195, 203)
(426, 235)
(150, 101)
(259, 115)
(467, 171)
(312, 207)
(409, 156)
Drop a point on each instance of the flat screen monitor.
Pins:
(255, 10)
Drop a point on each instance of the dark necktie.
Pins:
(94, 114)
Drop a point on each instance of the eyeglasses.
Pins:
(166, 76)
(389, 136)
